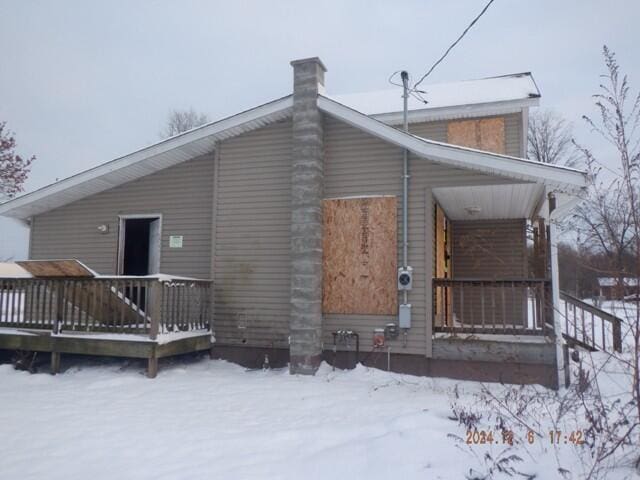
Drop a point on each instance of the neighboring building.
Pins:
(615, 288)
(294, 209)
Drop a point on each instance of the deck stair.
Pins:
(589, 327)
(141, 317)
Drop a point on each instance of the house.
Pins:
(293, 216)
(612, 288)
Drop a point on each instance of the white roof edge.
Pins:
(459, 111)
(563, 178)
(163, 146)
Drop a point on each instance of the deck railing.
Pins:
(520, 306)
(140, 305)
(588, 326)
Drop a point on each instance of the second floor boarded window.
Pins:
(484, 134)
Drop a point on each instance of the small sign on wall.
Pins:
(175, 241)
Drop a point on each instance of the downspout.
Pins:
(29, 223)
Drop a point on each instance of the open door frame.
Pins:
(121, 237)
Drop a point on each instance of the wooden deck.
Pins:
(137, 317)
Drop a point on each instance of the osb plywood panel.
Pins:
(442, 233)
(360, 256)
(485, 134)
(55, 268)
(464, 133)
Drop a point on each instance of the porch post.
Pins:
(555, 293)
(307, 190)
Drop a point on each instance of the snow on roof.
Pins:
(614, 281)
(507, 88)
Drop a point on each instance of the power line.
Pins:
(451, 47)
(390, 80)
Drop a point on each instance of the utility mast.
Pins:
(405, 273)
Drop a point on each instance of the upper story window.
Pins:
(484, 134)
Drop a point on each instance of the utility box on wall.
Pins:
(404, 315)
(360, 256)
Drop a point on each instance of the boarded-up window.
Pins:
(360, 253)
(442, 265)
(484, 134)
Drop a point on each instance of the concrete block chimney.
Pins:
(307, 190)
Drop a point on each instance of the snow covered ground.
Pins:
(211, 419)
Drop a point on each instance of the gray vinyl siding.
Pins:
(359, 164)
(250, 226)
(182, 194)
(437, 130)
(489, 249)
(252, 238)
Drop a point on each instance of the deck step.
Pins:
(588, 326)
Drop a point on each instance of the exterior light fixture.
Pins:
(473, 209)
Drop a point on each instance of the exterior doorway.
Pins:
(139, 252)
(139, 245)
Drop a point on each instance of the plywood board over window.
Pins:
(484, 134)
(360, 259)
(442, 265)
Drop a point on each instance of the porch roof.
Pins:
(496, 202)
(556, 177)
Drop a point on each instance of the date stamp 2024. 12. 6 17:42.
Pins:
(506, 437)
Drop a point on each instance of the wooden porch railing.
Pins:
(520, 306)
(141, 305)
(588, 326)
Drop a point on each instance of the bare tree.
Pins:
(549, 139)
(609, 217)
(14, 169)
(610, 220)
(605, 219)
(182, 120)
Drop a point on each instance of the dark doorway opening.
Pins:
(136, 247)
(140, 244)
(139, 253)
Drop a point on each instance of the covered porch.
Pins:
(494, 270)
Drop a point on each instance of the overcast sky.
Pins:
(84, 82)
